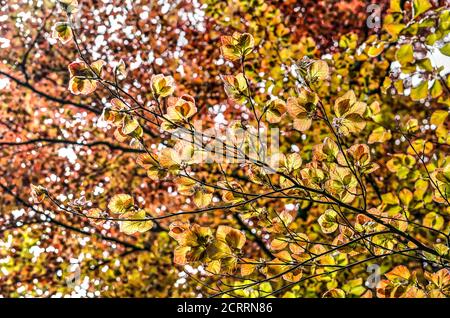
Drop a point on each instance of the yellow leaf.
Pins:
(445, 49)
(405, 196)
(237, 46)
(405, 54)
(394, 29)
(319, 71)
(70, 6)
(162, 86)
(438, 117)
(214, 267)
(379, 134)
(62, 31)
(421, 6)
(202, 198)
(302, 108)
(38, 193)
(233, 237)
(247, 267)
(275, 110)
(120, 203)
(395, 7)
(278, 244)
(420, 91)
(436, 89)
(138, 226)
(334, 293)
(434, 221)
(129, 125)
(328, 221)
(375, 49)
(400, 273)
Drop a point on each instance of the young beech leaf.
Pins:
(394, 29)
(399, 274)
(420, 91)
(183, 109)
(379, 134)
(193, 241)
(328, 221)
(120, 203)
(186, 186)
(278, 244)
(395, 6)
(434, 221)
(121, 69)
(233, 237)
(129, 125)
(275, 109)
(445, 49)
(290, 163)
(349, 114)
(97, 67)
(62, 31)
(375, 49)
(95, 215)
(237, 46)
(437, 89)
(248, 266)
(38, 193)
(214, 267)
(162, 86)
(359, 156)
(326, 151)
(405, 54)
(334, 293)
(202, 198)
(70, 6)
(438, 117)
(421, 6)
(138, 226)
(319, 71)
(235, 87)
(302, 109)
(439, 280)
(83, 77)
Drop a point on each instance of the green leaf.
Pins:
(421, 6)
(395, 6)
(434, 221)
(425, 64)
(444, 20)
(436, 89)
(405, 54)
(394, 29)
(420, 91)
(445, 49)
(433, 37)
